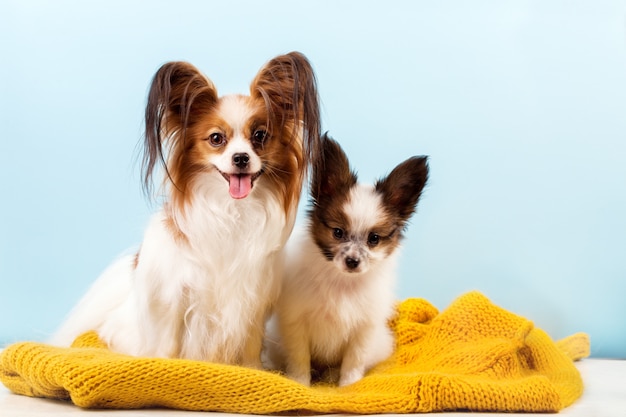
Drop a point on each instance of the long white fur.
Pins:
(203, 297)
(331, 315)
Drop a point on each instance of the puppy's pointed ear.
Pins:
(402, 188)
(333, 174)
(179, 95)
(288, 87)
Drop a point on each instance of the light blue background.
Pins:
(521, 106)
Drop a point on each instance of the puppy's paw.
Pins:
(302, 378)
(349, 377)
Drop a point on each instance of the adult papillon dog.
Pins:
(202, 282)
(331, 319)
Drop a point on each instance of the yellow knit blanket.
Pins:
(473, 356)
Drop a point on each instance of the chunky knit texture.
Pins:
(473, 356)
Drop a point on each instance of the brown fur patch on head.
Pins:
(324, 220)
(180, 97)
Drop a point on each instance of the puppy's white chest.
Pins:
(333, 327)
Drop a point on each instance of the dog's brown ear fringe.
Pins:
(288, 86)
(178, 92)
(332, 175)
(403, 187)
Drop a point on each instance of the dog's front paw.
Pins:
(350, 377)
(302, 378)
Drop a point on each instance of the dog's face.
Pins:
(273, 133)
(234, 143)
(356, 230)
(354, 225)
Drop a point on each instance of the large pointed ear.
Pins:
(288, 86)
(402, 188)
(333, 175)
(179, 95)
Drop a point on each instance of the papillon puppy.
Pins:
(202, 282)
(338, 288)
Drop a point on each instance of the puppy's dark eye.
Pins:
(216, 139)
(338, 233)
(259, 136)
(373, 239)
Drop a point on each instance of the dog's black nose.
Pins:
(241, 160)
(352, 263)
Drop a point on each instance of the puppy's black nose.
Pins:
(241, 160)
(352, 263)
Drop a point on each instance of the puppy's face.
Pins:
(355, 230)
(354, 225)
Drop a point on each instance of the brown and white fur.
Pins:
(338, 289)
(208, 270)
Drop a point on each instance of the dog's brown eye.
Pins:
(338, 233)
(259, 136)
(216, 139)
(373, 239)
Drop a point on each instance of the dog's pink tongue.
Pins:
(239, 185)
